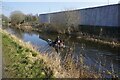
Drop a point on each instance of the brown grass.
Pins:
(61, 68)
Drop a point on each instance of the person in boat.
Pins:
(62, 44)
(54, 43)
(58, 42)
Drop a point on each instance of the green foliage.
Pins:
(18, 65)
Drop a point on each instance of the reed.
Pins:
(62, 68)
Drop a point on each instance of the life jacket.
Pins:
(59, 41)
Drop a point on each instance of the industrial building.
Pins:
(97, 16)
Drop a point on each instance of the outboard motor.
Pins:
(50, 42)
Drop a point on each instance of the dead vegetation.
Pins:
(62, 68)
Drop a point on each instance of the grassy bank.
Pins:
(21, 59)
(21, 62)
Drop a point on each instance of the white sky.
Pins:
(111, 1)
(50, 5)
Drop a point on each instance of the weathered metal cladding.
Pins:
(44, 18)
(119, 14)
(57, 18)
(98, 16)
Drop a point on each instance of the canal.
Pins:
(99, 56)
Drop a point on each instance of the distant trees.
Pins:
(22, 21)
(5, 18)
(17, 17)
(31, 18)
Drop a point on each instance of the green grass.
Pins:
(20, 60)
(16, 63)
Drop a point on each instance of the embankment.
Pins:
(21, 61)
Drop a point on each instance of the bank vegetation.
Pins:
(65, 24)
(22, 60)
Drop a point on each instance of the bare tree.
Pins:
(67, 20)
(17, 17)
(72, 20)
(58, 22)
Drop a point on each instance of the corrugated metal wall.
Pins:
(97, 16)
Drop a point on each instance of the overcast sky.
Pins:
(48, 6)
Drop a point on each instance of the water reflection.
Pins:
(95, 56)
(18, 33)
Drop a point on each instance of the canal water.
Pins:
(95, 55)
